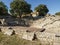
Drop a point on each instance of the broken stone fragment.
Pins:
(29, 36)
(9, 32)
(42, 30)
(57, 35)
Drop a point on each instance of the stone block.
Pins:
(29, 36)
(9, 32)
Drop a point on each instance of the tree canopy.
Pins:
(42, 9)
(57, 13)
(3, 9)
(19, 7)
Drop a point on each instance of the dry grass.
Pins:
(14, 40)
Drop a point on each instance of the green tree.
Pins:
(3, 9)
(58, 13)
(19, 7)
(42, 9)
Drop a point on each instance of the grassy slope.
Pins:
(14, 40)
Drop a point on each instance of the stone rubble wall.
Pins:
(52, 26)
(44, 37)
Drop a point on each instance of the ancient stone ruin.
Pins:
(46, 29)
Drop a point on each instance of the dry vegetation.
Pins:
(14, 40)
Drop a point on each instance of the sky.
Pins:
(53, 5)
